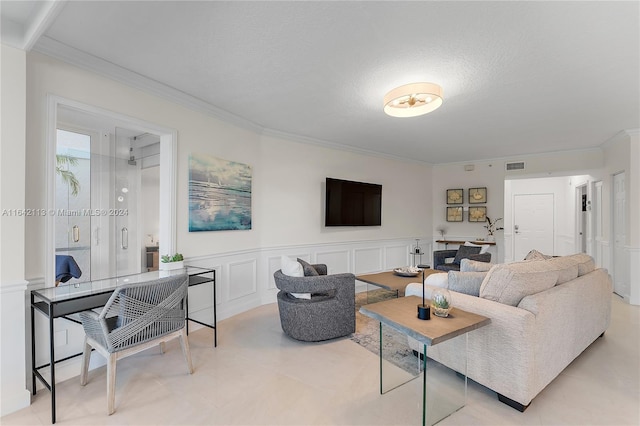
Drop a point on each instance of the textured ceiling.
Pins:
(518, 77)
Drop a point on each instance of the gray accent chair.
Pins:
(440, 259)
(136, 317)
(331, 311)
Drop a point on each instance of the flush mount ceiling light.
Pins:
(413, 99)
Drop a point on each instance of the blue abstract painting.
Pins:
(219, 194)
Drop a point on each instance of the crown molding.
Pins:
(523, 157)
(334, 145)
(24, 35)
(619, 137)
(83, 60)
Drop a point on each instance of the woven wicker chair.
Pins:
(136, 317)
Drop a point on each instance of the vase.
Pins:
(491, 238)
(441, 302)
(170, 266)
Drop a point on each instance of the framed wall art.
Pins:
(219, 194)
(477, 195)
(454, 214)
(478, 214)
(455, 196)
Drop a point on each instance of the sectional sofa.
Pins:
(544, 313)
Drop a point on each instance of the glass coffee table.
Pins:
(391, 281)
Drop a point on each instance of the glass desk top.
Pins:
(77, 290)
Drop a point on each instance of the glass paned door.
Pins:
(73, 201)
(126, 187)
(97, 187)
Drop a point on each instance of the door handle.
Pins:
(75, 232)
(125, 238)
(516, 228)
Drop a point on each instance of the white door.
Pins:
(533, 224)
(620, 266)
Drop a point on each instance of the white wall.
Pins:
(13, 395)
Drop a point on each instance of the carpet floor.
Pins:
(395, 346)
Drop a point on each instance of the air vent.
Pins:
(515, 166)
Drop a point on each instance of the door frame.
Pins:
(168, 174)
(582, 221)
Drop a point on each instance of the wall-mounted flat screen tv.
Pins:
(353, 203)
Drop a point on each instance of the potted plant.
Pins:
(169, 263)
(492, 227)
(441, 302)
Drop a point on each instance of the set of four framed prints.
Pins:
(475, 196)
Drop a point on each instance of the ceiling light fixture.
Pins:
(413, 99)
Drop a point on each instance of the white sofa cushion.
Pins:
(509, 283)
(585, 263)
(468, 265)
(566, 266)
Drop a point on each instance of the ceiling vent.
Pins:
(515, 166)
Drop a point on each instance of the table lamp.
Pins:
(424, 311)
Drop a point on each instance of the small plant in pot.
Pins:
(441, 302)
(169, 262)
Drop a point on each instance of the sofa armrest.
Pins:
(440, 256)
(583, 306)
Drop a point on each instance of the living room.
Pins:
(287, 194)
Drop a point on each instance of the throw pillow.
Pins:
(308, 269)
(510, 283)
(483, 247)
(536, 255)
(291, 267)
(468, 265)
(466, 282)
(465, 251)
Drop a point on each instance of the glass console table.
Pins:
(442, 392)
(65, 300)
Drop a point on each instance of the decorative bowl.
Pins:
(407, 271)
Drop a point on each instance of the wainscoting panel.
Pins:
(397, 256)
(337, 261)
(273, 264)
(634, 275)
(367, 260)
(242, 279)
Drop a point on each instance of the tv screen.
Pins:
(353, 203)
